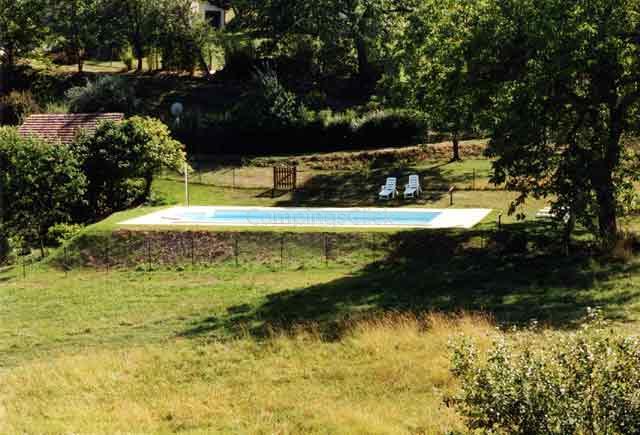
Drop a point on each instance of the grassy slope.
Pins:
(385, 377)
(337, 189)
(190, 350)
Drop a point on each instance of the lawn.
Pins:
(355, 342)
(263, 349)
(326, 188)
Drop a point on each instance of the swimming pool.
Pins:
(315, 217)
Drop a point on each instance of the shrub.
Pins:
(121, 159)
(270, 106)
(59, 234)
(390, 128)
(106, 94)
(16, 106)
(583, 382)
(43, 184)
(240, 58)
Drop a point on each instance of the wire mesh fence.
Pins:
(254, 177)
(150, 250)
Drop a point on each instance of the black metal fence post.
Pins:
(236, 249)
(193, 251)
(282, 252)
(148, 255)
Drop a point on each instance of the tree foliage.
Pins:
(431, 70)
(560, 87)
(21, 32)
(76, 23)
(121, 159)
(583, 382)
(105, 94)
(41, 185)
(356, 32)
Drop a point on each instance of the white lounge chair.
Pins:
(546, 213)
(389, 190)
(413, 188)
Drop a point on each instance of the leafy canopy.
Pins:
(121, 159)
(40, 185)
(432, 70)
(560, 84)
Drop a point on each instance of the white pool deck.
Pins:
(447, 218)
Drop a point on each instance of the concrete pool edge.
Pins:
(447, 218)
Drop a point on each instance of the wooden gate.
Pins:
(285, 178)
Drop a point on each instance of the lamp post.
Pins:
(186, 183)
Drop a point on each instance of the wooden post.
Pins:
(453, 189)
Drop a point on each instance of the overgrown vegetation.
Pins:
(54, 172)
(105, 94)
(583, 382)
(45, 184)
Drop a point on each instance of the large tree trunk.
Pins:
(456, 147)
(607, 215)
(366, 73)
(80, 61)
(603, 184)
(140, 62)
(139, 53)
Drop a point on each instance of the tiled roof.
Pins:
(65, 127)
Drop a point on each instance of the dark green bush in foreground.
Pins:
(586, 382)
(42, 184)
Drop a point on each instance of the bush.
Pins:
(270, 106)
(584, 382)
(240, 58)
(16, 106)
(121, 159)
(106, 94)
(42, 183)
(390, 128)
(59, 234)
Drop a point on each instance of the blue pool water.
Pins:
(307, 217)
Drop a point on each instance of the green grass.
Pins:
(340, 189)
(263, 349)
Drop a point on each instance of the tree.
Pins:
(561, 87)
(76, 23)
(42, 183)
(140, 21)
(433, 68)
(184, 37)
(21, 32)
(361, 28)
(121, 159)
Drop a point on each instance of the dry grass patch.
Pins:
(387, 375)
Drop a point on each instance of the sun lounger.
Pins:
(413, 188)
(389, 190)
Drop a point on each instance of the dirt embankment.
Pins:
(387, 156)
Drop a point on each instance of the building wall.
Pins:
(204, 6)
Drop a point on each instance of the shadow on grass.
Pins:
(360, 188)
(450, 272)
